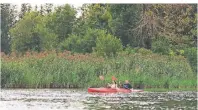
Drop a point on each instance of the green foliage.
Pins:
(125, 18)
(181, 52)
(130, 50)
(161, 45)
(23, 33)
(171, 52)
(61, 21)
(71, 43)
(180, 19)
(55, 70)
(8, 19)
(30, 34)
(48, 7)
(83, 44)
(144, 51)
(136, 25)
(90, 39)
(108, 45)
(25, 8)
(191, 54)
(97, 16)
(48, 39)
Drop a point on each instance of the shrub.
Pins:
(82, 44)
(130, 50)
(160, 45)
(144, 51)
(108, 45)
(191, 54)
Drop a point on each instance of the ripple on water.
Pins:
(61, 99)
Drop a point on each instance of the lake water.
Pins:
(76, 99)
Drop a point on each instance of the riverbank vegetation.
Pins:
(153, 46)
(59, 70)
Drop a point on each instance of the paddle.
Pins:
(113, 78)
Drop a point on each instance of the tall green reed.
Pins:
(61, 70)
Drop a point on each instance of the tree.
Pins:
(97, 16)
(30, 33)
(36, 8)
(124, 19)
(161, 45)
(61, 21)
(24, 8)
(108, 45)
(8, 19)
(83, 43)
(29, 8)
(176, 22)
(146, 27)
(178, 19)
(48, 7)
(42, 11)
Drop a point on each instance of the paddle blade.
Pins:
(113, 78)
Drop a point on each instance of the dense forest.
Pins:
(145, 42)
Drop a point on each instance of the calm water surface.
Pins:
(75, 99)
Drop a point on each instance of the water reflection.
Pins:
(61, 99)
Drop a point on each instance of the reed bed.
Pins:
(51, 69)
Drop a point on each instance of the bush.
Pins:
(144, 51)
(160, 45)
(82, 44)
(130, 50)
(72, 43)
(108, 45)
(191, 54)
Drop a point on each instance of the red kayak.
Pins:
(111, 90)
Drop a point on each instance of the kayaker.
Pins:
(101, 77)
(127, 85)
(104, 83)
(114, 84)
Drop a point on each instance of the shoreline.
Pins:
(145, 90)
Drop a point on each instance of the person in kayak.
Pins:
(127, 85)
(101, 77)
(114, 84)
